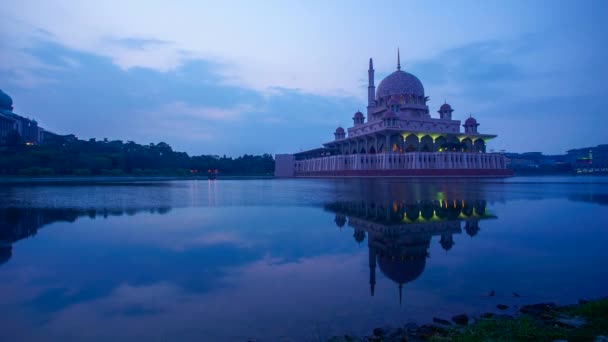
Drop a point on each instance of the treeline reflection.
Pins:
(21, 223)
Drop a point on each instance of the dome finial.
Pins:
(398, 60)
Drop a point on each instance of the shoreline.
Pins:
(585, 321)
(114, 179)
(83, 180)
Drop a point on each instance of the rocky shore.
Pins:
(585, 321)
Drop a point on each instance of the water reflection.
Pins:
(234, 260)
(399, 232)
(21, 223)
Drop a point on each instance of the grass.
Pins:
(527, 328)
(523, 328)
(531, 328)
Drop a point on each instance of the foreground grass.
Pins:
(529, 328)
(538, 322)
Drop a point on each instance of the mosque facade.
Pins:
(398, 137)
(29, 131)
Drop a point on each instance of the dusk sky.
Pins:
(231, 77)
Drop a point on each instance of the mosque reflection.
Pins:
(21, 223)
(399, 232)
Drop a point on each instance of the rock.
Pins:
(538, 309)
(441, 321)
(410, 327)
(398, 334)
(502, 307)
(461, 319)
(571, 322)
(427, 331)
(379, 332)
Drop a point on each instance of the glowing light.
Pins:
(440, 196)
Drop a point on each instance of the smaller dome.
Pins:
(390, 115)
(339, 130)
(470, 122)
(445, 107)
(6, 102)
(393, 101)
(358, 115)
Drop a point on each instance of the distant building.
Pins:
(28, 129)
(589, 159)
(399, 138)
(536, 161)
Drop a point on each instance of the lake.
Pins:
(283, 260)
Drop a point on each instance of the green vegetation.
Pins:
(523, 328)
(66, 155)
(593, 316)
(585, 321)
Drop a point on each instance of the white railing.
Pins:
(403, 161)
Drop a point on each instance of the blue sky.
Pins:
(276, 76)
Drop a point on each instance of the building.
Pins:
(536, 162)
(29, 131)
(589, 159)
(399, 138)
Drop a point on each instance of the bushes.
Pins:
(81, 172)
(36, 171)
(112, 172)
(115, 158)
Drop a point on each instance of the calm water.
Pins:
(290, 259)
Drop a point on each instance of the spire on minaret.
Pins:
(398, 60)
(371, 88)
(372, 268)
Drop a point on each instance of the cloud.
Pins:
(269, 77)
(139, 43)
(181, 109)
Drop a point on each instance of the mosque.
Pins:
(29, 131)
(398, 137)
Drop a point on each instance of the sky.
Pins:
(236, 77)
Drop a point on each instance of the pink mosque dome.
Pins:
(339, 130)
(470, 122)
(402, 271)
(6, 102)
(358, 115)
(445, 107)
(400, 83)
(393, 101)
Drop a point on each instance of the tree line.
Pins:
(67, 155)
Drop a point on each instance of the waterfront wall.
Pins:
(413, 164)
(401, 161)
(284, 165)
